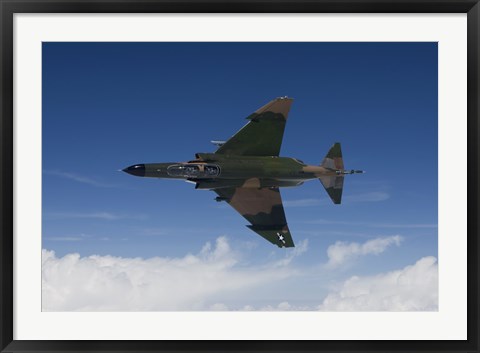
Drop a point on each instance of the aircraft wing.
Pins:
(263, 134)
(263, 208)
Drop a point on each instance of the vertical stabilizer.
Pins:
(333, 184)
(333, 159)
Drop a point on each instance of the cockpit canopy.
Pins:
(194, 170)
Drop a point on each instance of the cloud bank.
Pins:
(106, 283)
(341, 252)
(204, 280)
(413, 288)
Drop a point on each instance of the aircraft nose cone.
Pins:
(136, 169)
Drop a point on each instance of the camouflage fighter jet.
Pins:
(246, 172)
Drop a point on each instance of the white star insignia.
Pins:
(281, 238)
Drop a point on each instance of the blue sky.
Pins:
(109, 105)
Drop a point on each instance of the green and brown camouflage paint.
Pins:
(247, 172)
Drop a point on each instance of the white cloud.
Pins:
(219, 307)
(286, 306)
(216, 278)
(106, 283)
(341, 252)
(390, 225)
(375, 224)
(69, 238)
(80, 179)
(413, 288)
(298, 250)
(248, 308)
(374, 196)
(283, 306)
(107, 216)
(65, 238)
(302, 202)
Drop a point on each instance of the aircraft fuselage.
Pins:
(210, 171)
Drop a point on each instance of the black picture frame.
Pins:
(10, 7)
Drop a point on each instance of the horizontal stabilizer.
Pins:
(334, 187)
(279, 236)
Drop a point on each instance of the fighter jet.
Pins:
(247, 172)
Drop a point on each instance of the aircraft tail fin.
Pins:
(334, 187)
(333, 184)
(333, 159)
